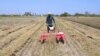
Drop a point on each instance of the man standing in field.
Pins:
(50, 22)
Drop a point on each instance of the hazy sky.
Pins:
(44, 6)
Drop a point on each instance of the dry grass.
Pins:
(90, 21)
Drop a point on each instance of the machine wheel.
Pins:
(57, 40)
(43, 41)
(62, 41)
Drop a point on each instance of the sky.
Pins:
(45, 6)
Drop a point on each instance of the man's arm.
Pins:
(53, 19)
(46, 19)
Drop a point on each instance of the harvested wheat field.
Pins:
(19, 36)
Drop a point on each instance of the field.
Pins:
(90, 21)
(19, 36)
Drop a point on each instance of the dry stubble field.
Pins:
(19, 36)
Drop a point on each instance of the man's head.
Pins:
(49, 13)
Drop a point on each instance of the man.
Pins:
(49, 21)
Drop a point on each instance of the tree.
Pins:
(27, 14)
(79, 14)
(65, 14)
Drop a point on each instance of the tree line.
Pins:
(81, 14)
(65, 14)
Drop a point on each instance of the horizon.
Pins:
(43, 7)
